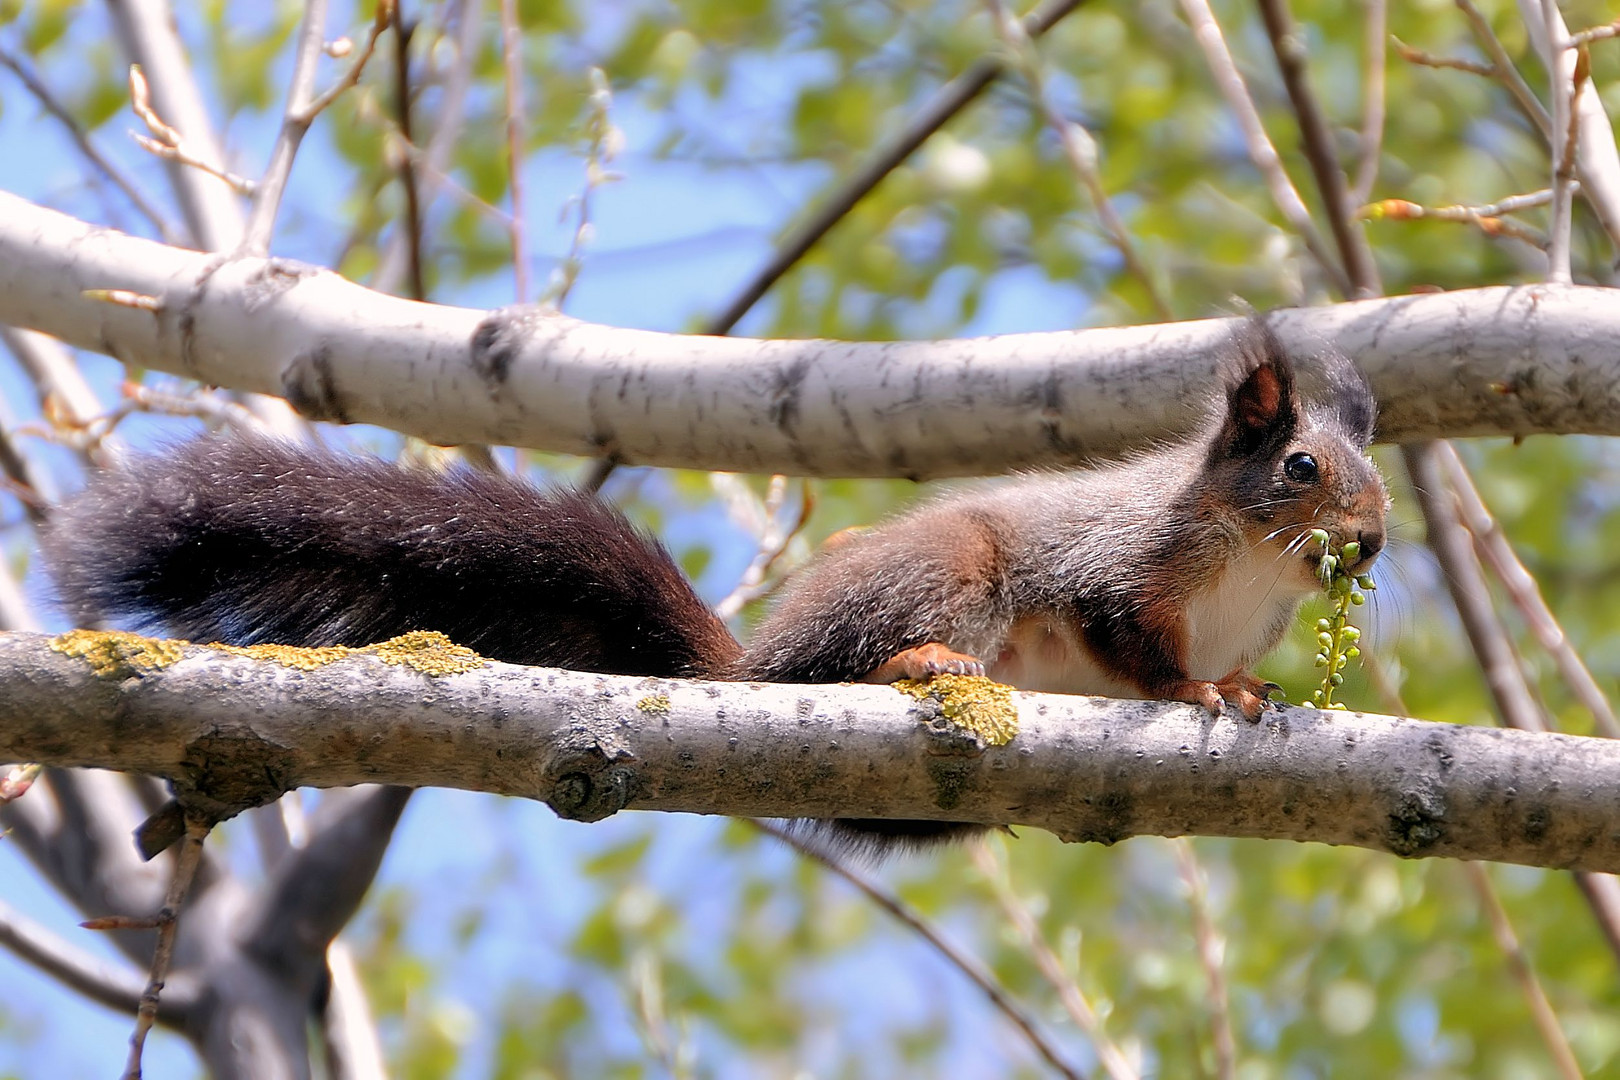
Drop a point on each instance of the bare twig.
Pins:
(185, 868)
(412, 225)
(1372, 100)
(1317, 142)
(1452, 63)
(1494, 548)
(1564, 85)
(975, 972)
(951, 99)
(1229, 81)
(1079, 147)
(1111, 1057)
(168, 143)
(87, 149)
(1585, 37)
(603, 142)
(1485, 218)
(512, 64)
(775, 534)
(448, 128)
(383, 19)
(147, 31)
(303, 105)
(116, 986)
(1211, 956)
(1502, 65)
(1524, 973)
(1597, 160)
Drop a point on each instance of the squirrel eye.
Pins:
(1300, 468)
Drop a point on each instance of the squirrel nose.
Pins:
(1372, 542)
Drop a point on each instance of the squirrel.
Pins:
(1166, 575)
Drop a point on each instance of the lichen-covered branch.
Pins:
(231, 730)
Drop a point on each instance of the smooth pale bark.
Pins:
(231, 730)
(1502, 361)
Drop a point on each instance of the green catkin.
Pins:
(1336, 639)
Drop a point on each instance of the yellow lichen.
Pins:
(117, 654)
(980, 705)
(654, 703)
(429, 652)
(292, 656)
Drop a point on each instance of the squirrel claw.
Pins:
(924, 662)
(1249, 695)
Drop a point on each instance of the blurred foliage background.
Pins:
(501, 942)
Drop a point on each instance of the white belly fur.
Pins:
(1229, 625)
(1234, 623)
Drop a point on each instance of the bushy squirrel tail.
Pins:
(247, 540)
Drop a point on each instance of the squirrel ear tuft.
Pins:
(1262, 408)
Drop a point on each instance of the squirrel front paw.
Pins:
(924, 662)
(1249, 695)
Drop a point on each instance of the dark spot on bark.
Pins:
(497, 342)
(785, 389)
(950, 776)
(1416, 824)
(1112, 821)
(1536, 823)
(311, 388)
(1436, 745)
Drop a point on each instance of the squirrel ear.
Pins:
(1262, 408)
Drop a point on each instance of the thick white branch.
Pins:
(1504, 361)
(230, 730)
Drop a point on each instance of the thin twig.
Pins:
(1229, 81)
(1109, 1055)
(147, 31)
(166, 142)
(1372, 100)
(87, 149)
(1211, 956)
(1448, 63)
(117, 986)
(512, 64)
(950, 100)
(1564, 85)
(185, 868)
(1493, 546)
(303, 105)
(1484, 218)
(775, 534)
(1504, 67)
(412, 225)
(1317, 142)
(1524, 973)
(430, 163)
(1598, 161)
(1079, 147)
(603, 143)
(975, 972)
(1581, 38)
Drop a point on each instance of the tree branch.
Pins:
(318, 887)
(115, 986)
(231, 731)
(1487, 361)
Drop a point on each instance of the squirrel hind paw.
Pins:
(924, 662)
